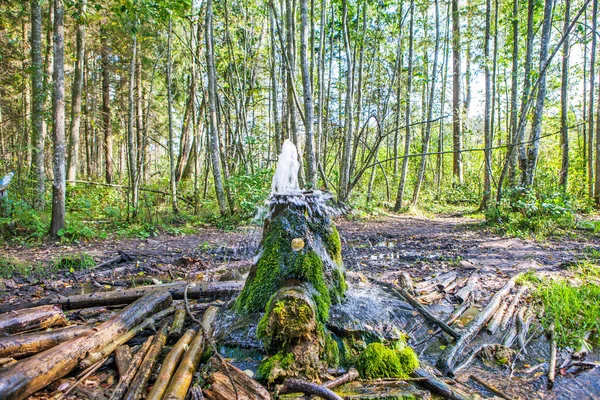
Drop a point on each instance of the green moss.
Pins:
(333, 244)
(310, 267)
(267, 367)
(379, 361)
(331, 351)
(287, 319)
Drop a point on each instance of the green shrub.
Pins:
(379, 361)
(74, 262)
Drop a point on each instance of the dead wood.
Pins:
(448, 357)
(169, 364)
(221, 388)
(299, 386)
(127, 296)
(553, 351)
(19, 346)
(177, 324)
(127, 377)
(511, 333)
(447, 282)
(494, 322)
(491, 388)
(32, 318)
(32, 374)
(511, 308)
(437, 386)
(430, 298)
(522, 328)
(398, 291)
(138, 385)
(123, 356)
(471, 357)
(405, 282)
(87, 373)
(349, 376)
(182, 379)
(466, 291)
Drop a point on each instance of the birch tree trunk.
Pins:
(487, 169)
(536, 126)
(514, 88)
(76, 91)
(590, 144)
(131, 134)
(347, 141)
(564, 103)
(170, 112)
(457, 161)
(309, 150)
(58, 116)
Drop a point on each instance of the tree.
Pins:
(58, 116)
(564, 102)
(212, 111)
(106, 117)
(170, 114)
(348, 135)
(311, 170)
(38, 98)
(131, 135)
(76, 90)
(457, 162)
(487, 130)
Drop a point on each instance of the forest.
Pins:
(242, 199)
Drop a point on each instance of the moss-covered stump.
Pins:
(296, 278)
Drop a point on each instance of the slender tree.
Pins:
(564, 102)
(592, 75)
(37, 101)
(457, 161)
(132, 147)
(106, 113)
(170, 113)
(58, 127)
(348, 135)
(487, 130)
(311, 170)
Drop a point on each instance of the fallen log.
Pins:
(398, 291)
(32, 318)
(32, 374)
(430, 298)
(494, 322)
(405, 282)
(127, 296)
(169, 364)
(349, 376)
(447, 282)
(220, 387)
(127, 377)
(428, 285)
(138, 385)
(522, 328)
(511, 308)
(299, 386)
(123, 356)
(177, 324)
(471, 357)
(437, 386)
(466, 291)
(182, 379)
(448, 357)
(19, 346)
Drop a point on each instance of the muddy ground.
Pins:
(379, 248)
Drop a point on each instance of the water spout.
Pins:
(285, 180)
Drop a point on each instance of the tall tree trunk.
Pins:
(309, 150)
(278, 134)
(428, 118)
(106, 117)
(538, 112)
(487, 183)
(58, 115)
(131, 134)
(514, 102)
(170, 112)
(564, 103)
(212, 109)
(457, 161)
(37, 101)
(590, 143)
(348, 136)
(407, 134)
(76, 91)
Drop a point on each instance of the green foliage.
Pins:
(525, 212)
(331, 351)
(379, 361)
(23, 223)
(572, 309)
(250, 190)
(268, 365)
(74, 262)
(10, 267)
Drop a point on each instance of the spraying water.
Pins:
(285, 180)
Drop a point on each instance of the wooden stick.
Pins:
(511, 308)
(221, 386)
(32, 374)
(299, 386)
(177, 324)
(168, 366)
(437, 386)
(471, 357)
(398, 291)
(33, 318)
(138, 385)
(522, 328)
(494, 322)
(491, 388)
(447, 282)
(123, 356)
(466, 291)
(349, 376)
(32, 343)
(182, 379)
(448, 357)
(125, 379)
(552, 364)
(127, 296)
(511, 333)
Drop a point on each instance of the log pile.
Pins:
(54, 354)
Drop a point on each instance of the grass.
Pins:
(573, 307)
(9, 267)
(73, 262)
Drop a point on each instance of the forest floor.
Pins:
(381, 248)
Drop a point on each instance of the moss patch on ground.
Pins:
(379, 361)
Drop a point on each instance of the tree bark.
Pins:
(131, 136)
(590, 141)
(76, 91)
(173, 180)
(58, 115)
(514, 88)
(348, 135)
(457, 161)
(106, 117)
(37, 101)
(564, 103)
(487, 133)
(311, 170)
(18, 346)
(212, 109)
